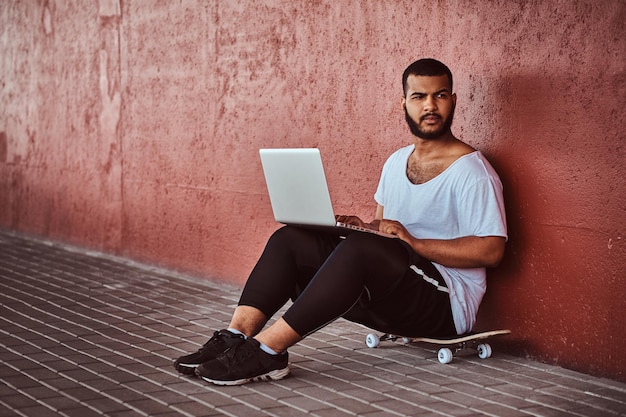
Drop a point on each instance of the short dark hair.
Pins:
(426, 67)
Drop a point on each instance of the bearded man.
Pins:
(438, 196)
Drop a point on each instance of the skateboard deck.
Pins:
(459, 339)
(473, 340)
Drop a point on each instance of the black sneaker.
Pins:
(218, 344)
(244, 362)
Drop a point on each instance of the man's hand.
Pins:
(395, 228)
(356, 221)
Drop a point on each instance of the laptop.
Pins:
(298, 190)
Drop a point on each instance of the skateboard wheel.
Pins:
(484, 350)
(372, 341)
(406, 340)
(444, 355)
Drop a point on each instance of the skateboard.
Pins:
(445, 353)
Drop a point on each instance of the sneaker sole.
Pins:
(186, 368)
(270, 376)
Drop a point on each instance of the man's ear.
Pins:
(403, 103)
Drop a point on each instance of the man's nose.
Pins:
(430, 103)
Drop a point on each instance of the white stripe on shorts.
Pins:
(429, 279)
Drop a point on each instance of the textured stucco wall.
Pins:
(133, 127)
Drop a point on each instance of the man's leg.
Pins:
(342, 280)
(288, 262)
(279, 336)
(417, 304)
(333, 291)
(248, 320)
(384, 268)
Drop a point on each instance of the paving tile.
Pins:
(21, 363)
(121, 376)
(506, 400)
(393, 406)
(167, 397)
(353, 405)
(327, 393)
(126, 413)
(105, 404)
(17, 401)
(143, 386)
(148, 406)
(97, 367)
(78, 374)
(460, 398)
(123, 394)
(584, 410)
(303, 403)
(366, 395)
(142, 368)
(35, 411)
(546, 412)
(274, 391)
(6, 372)
(498, 410)
(162, 378)
(81, 393)
(20, 382)
(384, 413)
(411, 396)
(40, 392)
(606, 406)
(284, 411)
(214, 398)
(61, 403)
(512, 390)
(196, 409)
(332, 412)
(101, 384)
(186, 388)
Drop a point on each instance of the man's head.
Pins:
(428, 101)
(427, 67)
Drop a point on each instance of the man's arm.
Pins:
(463, 252)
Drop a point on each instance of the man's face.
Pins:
(429, 106)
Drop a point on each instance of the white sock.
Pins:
(267, 349)
(235, 331)
(264, 347)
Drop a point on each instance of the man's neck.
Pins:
(433, 148)
(433, 156)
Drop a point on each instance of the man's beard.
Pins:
(417, 131)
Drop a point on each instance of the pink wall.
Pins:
(133, 128)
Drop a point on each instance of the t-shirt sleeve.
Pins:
(380, 190)
(483, 207)
(379, 195)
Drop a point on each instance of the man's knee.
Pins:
(287, 235)
(366, 243)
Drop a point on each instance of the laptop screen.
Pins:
(297, 186)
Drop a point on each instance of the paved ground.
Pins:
(84, 334)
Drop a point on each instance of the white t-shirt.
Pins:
(464, 200)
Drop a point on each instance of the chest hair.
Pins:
(419, 172)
